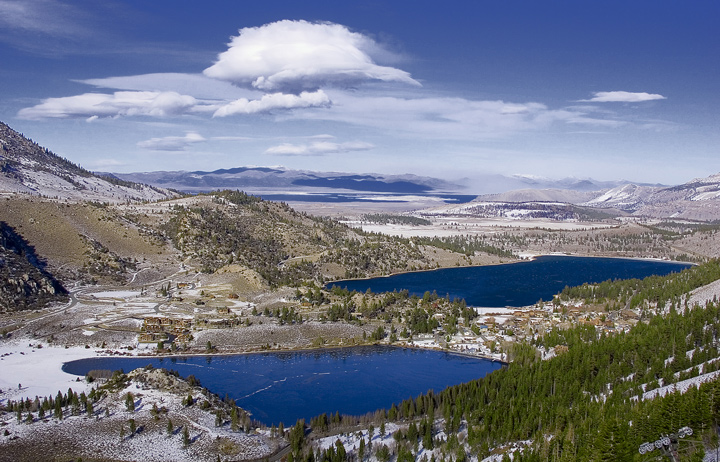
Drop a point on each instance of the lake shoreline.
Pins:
(283, 387)
(520, 284)
(524, 258)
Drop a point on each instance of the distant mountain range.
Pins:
(26, 167)
(279, 179)
(276, 179)
(698, 199)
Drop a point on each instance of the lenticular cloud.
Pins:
(292, 56)
(120, 103)
(274, 101)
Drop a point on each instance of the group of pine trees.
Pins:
(60, 406)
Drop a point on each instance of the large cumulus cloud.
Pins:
(292, 56)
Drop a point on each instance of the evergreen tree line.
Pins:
(653, 291)
(467, 245)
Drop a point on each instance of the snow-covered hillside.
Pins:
(26, 167)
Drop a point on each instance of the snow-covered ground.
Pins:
(29, 369)
(462, 226)
(158, 403)
(681, 386)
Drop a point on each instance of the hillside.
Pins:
(238, 237)
(283, 246)
(26, 167)
(26, 283)
(698, 200)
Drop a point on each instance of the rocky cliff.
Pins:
(24, 282)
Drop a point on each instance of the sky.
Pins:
(606, 90)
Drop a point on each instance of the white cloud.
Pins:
(172, 143)
(121, 103)
(196, 85)
(440, 117)
(299, 55)
(622, 97)
(48, 17)
(273, 101)
(320, 148)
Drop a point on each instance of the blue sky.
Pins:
(608, 90)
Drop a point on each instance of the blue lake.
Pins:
(516, 284)
(282, 387)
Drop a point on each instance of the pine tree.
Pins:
(234, 419)
(185, 436)
(361, 449)
(129, 402)
(58, 409)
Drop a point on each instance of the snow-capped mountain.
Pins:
(26, 167)
(698, 199)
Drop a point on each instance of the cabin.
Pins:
(183, 338)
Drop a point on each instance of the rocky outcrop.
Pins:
(24, 282)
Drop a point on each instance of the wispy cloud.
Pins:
(121, 103)
(195, 85)
(104, 164)
(172, 143)
(622, 97)
(278, 69)
(441, 117)
(46, 17)
(292, 56)
(274, 101)
(320, 148)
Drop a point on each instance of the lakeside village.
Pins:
(393, 318)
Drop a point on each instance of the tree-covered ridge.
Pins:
(15, 146)
(467, 245)
(651, 292)
(407, 315)
(285, 247)
(385, 218)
